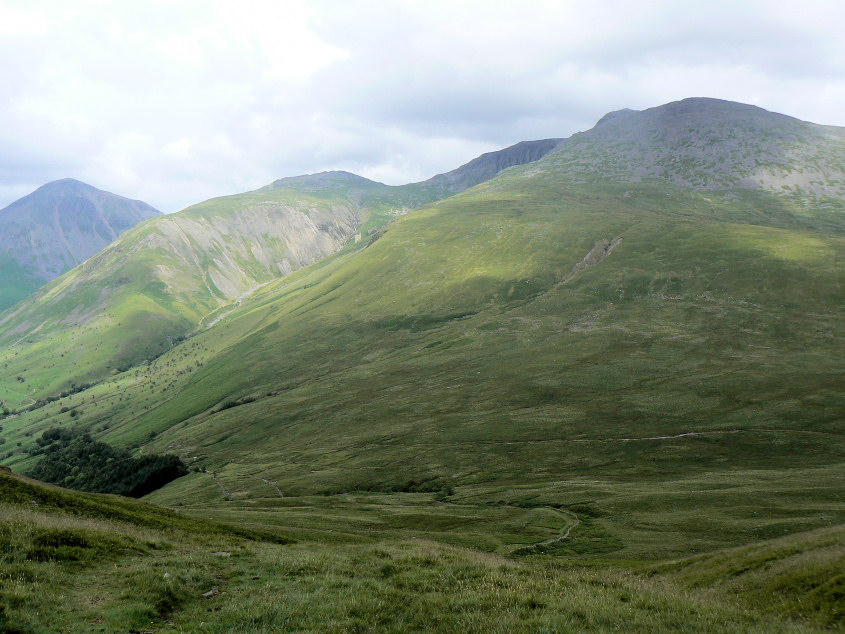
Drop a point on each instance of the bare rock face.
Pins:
(230, 254)
(488, 165)
(58, 226)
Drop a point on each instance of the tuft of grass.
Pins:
(799, 577)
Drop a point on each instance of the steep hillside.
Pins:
(56, 227)
(653, 368)
(159, 283)
(544, 342)
(162, 280)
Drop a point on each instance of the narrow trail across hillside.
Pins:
(432, 446)
(238, 302)
(631, 439)
(226, 493)
(271, 483)
(569, 515)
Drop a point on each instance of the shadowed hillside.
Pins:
(667, 355)
(159, 283)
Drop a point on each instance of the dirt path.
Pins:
(684, 435)
(272, 484)
(569, 515)
(632, 439)
(226, 492)
(562, 536)
(238, 302)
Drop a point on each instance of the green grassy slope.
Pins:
(16, 282)
(71, 561)
(800, 576)
(442, 355)
(547, 370)
(157, 284)
(160, 281)
(672, 385)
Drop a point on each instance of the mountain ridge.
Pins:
(476, 171)
(183, 270)
(217, 252)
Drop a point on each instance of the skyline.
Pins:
(176, 104)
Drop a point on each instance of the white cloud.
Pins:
(16, 21)
(173, 102)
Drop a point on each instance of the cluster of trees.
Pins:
(77, 461)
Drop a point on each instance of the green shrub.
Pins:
(79, 462)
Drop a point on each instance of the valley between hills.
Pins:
(581, 384)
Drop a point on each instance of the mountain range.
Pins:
(168, 277)
(622, 346)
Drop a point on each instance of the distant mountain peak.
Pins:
(72, 186)
(708, 144)
(692, 107)
(56, 227)
(67, 182)
(689, 109)
(322, 181)
(614, 114)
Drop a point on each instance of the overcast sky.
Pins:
(173, 102)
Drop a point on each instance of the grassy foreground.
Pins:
(547, 403)
(81, 562)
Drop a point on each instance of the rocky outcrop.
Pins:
(599, 252)
(488, 165)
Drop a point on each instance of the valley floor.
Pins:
(79, 562)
